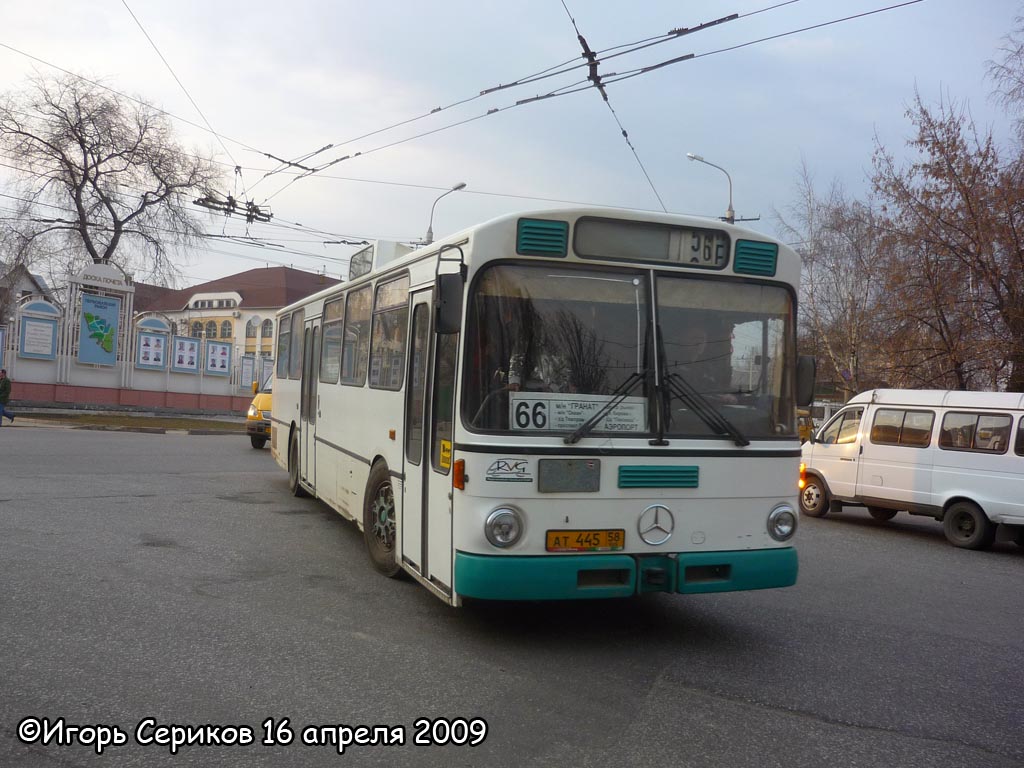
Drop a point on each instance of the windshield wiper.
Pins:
(621, 393)
(699, 404)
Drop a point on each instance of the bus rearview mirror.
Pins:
(448, 303)
(806, 368)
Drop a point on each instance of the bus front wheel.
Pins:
(814, 499)
(967, 526)
(379, 521)
(294, 485)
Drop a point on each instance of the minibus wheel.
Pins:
(257, 442)
(882, 514)
(814, 501)
(965, 525)
(379, 521)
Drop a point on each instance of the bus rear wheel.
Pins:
(967, 526)
(379, 521)
(814, 499)
(294, 484)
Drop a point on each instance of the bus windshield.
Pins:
(548, 347)
(732, 343)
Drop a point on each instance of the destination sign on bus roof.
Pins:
(694, 247)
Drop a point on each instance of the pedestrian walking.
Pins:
(5, 396)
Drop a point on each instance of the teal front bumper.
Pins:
(571, 577)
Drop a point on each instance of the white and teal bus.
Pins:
(581, 403)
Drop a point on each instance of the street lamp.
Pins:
(730, 215)
(430, 227)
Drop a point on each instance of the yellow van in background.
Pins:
(804, 424)
(257, 420)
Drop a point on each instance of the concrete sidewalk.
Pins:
(124, 421)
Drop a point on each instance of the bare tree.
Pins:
(955, 217)
(1007, 73)
(843, 283)
(104, 172)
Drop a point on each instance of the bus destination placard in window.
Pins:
(564, 412)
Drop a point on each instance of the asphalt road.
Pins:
(172, 577)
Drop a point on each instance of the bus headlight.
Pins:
(782, 522)
(504, 526)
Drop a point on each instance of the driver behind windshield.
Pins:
(703, 359)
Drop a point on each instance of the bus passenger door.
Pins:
(429, 428)
(415, 459)
(309, 402)
(438, 474)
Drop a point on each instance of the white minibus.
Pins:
(954, 456)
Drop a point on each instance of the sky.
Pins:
(286, 79)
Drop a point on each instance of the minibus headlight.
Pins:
(504, 526)
(782, 522)
(253, 412)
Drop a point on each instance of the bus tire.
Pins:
(257, 442)
(379, 521)
(967, 526)
(294, 485)
(882, 514)
(814, 500)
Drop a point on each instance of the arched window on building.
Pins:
(268, 329)
(211, 329)
(252, 327)
(197, 329)
(174, 328)
(225, 330)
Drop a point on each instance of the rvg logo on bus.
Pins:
(509, 471)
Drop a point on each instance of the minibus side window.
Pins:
(1019, 447)
(989, 433)
(895, 426)
(843, 429)
(851, 425)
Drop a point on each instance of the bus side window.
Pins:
(417, 384)
(1019, 447)
(356, 344)
(284, 336)
(390, 325)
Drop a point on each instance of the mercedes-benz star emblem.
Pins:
(656, 524)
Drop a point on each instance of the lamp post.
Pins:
(730, 215)
(430, 227)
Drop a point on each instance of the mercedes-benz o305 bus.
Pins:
(567, 404)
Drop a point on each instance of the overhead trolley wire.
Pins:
(580, 86)
(595, 79)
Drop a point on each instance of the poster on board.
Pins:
(98, 329)
(248, 372)
(218, 358)
(38, 338)
(184, 355)
(151, 351)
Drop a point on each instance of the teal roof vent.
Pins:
(542, 237)
(756, 258)
(658, 476)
